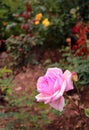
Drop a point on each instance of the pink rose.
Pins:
(52, 86)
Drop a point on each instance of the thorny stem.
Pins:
(77, 105)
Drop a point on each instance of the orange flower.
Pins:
(46, 22)
(38, 16)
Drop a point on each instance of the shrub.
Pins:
(9, 24)
(41, 25)
(5, 84)
(19, 46)
(78, 64)
(60, 17)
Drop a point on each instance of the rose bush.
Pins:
(52, 86)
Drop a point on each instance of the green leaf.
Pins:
(57, 112)
(6, 82)
(87, 112)
(4, 70)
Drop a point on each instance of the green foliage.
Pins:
(5, 81)
(17, 23)
(28, 34)
(8, 23)
(60, 17)
(19, 49)
(19, 46)
(79, 64)
(57, 112)
(84, 11)
(87, 112)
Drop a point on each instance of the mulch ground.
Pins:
(70, 120)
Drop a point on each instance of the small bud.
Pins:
(75, 76)
(68, 40)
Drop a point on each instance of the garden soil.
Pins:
(70, 120)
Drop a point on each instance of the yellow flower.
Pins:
(46, 22)
(38, 16)
(36, 22)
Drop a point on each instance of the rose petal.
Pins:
(42, 85)
(51, 98)
(58, 104)
(59, 93)
(41, 97)
(49, 84)
(52, 86)
(54, 71)
(68, 77)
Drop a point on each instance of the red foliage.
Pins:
(76, 28)
(80, 30)
(25, 15)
